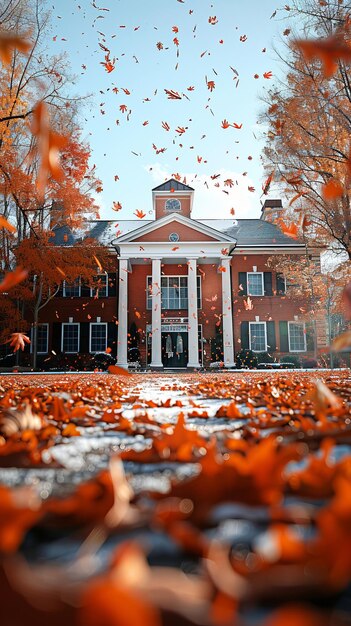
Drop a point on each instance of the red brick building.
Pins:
(183, 289)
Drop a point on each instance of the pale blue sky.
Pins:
(146, 71)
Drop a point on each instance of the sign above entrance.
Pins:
(170, 328)
(174, 328)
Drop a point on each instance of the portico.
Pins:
(178, 295)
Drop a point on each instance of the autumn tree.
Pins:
(48, 265)
(319, 292)
(308, 121)
(45, 175)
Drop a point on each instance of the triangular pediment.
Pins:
(173, 185)
(187, 228)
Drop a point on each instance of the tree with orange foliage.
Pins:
(45, 176)
(320, 292)
(47, 265)
(309, 123)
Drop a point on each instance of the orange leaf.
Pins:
(70, 430)
(13, 278)
(19, 511)
(111, 604)
(342, 342)
(10, 42)
(329, 51)
(5, 224)
(49, 145)
(331, 190)
(18, 341)
(118, 371)
(140, 214)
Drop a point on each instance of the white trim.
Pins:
(47, 337)
(70, 284)
(255, 295)
(92, 289)
(275, 247)
(304, 336)
(172, 210)
(70, 324)
(164, 250)
(90, 333)
(173, 217)
(265, 336)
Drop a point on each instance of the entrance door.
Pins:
(174, 349)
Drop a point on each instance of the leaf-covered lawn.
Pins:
(202, 499)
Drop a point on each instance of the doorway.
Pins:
(174, 349)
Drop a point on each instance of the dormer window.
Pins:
(172, 204)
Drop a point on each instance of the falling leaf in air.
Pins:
(10, 42)
(118, 371)
(11, 279)
(18, 340)
(172, 95)
(329, 51)
(140, 214)
(48, 146)
(7, 225)
(342, 342)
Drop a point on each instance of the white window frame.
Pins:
(262, 282)
(173, 210)
(92, 289)
(79, 287)
(198, 291)
(47, 337)
(304, 336)
(265, 336)
(90, 335)
(62, 333)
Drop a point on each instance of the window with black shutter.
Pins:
(271, 338)
(267, 279)
(112, 285)
(242, 284)
(284, 337)
(244, 332)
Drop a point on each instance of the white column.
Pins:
(122, 344)
(193, 337)
(228, 338)
(156, 354)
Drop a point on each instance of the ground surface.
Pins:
(239, 484)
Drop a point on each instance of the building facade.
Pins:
(185, 292)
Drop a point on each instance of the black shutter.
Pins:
(112, 337)
(267, 279)
(84, 337)
(244, 329)
(60, 291)
(280, 285)
(271, 339)
(242, 284)
(284, 339)
(112, 292)
(56, 337)
(85, 291)
(310, 336)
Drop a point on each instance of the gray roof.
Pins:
(247, 232)
(252, 232)
(172, 183)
